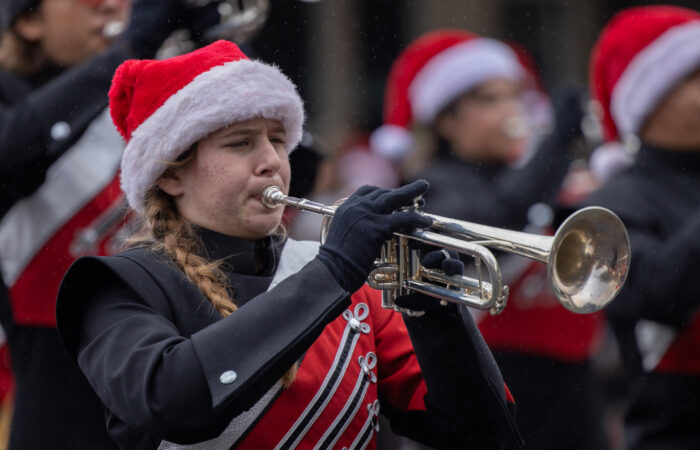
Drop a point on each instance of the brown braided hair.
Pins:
(163, 229)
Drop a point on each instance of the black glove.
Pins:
(446, 260)
(361, 225)
(152, 21)
(202, 20)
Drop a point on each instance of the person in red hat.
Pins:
(470, 96)
(60, 197)
(645, 72)
(216, 331)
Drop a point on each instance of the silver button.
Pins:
(228, 377)
(60, 131)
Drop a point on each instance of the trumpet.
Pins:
(587, 258)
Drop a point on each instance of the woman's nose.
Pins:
(270, 161)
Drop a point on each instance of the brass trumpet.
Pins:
(587, 258)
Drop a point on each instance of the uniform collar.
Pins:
(240, 255)
(651, 156)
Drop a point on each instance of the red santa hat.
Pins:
(432, 72)
(641, 54)
(163, 107)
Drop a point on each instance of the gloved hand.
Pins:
(446, 260)
(361, 225)
(202, 20)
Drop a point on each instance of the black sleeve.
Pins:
(539, 180)
(660, 284)
(465, 373)
(466, 404)
(76, 97)
(167, 385)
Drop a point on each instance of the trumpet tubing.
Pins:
(587, 258)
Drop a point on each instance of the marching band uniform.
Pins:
(640, 56)
(656, 314)
(171, 370)
(60, 155)
(356, 357)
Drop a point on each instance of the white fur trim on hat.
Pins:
(391, 141)
(454, 71)
(226, 94)
(652, 73)
(610, 159)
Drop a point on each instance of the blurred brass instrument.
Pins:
(240, 19)
(587, 258)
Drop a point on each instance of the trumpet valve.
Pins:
(384, 276)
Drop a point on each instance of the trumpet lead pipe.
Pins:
(272, 197)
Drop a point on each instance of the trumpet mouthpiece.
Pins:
(272, 196)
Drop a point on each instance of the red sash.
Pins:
(534, 322)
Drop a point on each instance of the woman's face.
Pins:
(71, 31)
(479, 127)
(675, 122)
(220, 189)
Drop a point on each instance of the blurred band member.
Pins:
(468, 94)
(645, 71)
(60, 197)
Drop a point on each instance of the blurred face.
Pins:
(675, 123)
(220, 188)
(480, 125)
(70, 31)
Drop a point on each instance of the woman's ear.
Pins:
(170, 183)
(30, 26)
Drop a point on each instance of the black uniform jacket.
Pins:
(40, 120)
(154, 349)
(658, 199)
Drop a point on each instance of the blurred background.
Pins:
(339, 51)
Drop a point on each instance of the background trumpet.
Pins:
(587, 258)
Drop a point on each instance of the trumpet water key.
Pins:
(587, 258)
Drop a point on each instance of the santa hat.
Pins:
(641, 54)
(163, 107)
(432, 72)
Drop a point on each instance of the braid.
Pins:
(174, 236)
(179, 241)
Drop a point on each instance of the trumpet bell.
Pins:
(589, 259)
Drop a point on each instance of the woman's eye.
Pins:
(277, 140)
(242, 143)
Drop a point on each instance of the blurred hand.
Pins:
(203, 19)
(362, 224)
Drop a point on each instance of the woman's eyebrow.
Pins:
(247, 131)
(239, 131)
(277, 129)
